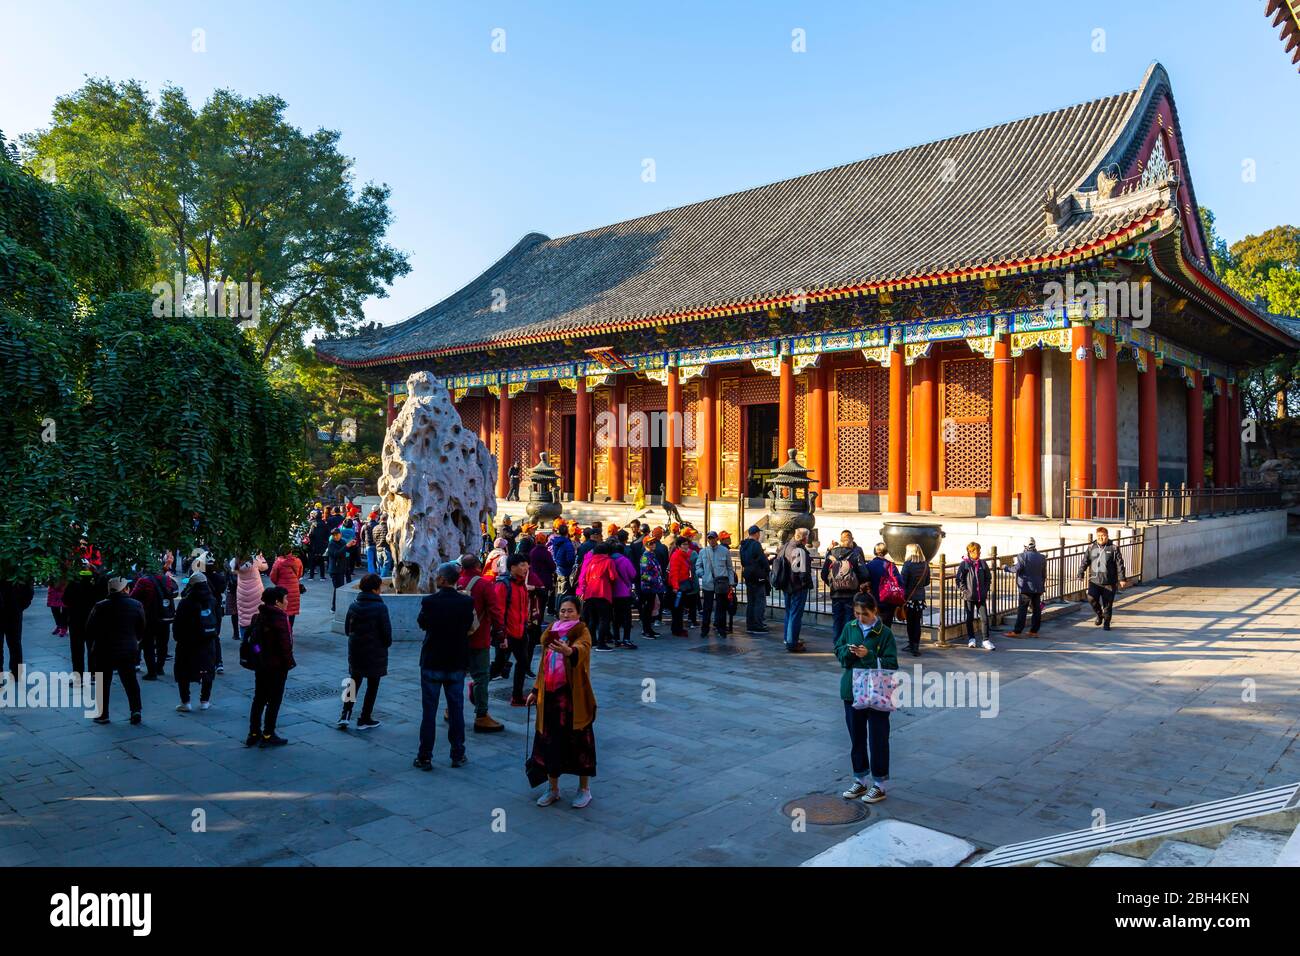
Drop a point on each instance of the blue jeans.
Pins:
(432, 683)
(385, 560)
(371, 564)
(841, 614)
(794, 604)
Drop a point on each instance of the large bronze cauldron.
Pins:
(897, 535)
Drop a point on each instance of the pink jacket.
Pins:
(248, 594)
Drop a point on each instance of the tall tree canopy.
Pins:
(231, 193)
(116, 423)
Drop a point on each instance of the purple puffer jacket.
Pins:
(625, 576)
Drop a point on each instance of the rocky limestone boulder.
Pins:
(438, 482)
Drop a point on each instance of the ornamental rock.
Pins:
(436, 484)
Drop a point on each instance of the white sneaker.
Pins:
(988, 645)
(205, 705)
(855, 792)
(184, 708)
(971, 643)
(581, 800)
(549, 797)
(874, 795)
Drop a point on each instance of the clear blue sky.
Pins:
(480, 148)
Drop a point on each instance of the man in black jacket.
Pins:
(15, 598)
(843, 571)
(447, 618)
(754, 568)
(114, 631)
(85, 589)
(1103, 566)
(1030, 570)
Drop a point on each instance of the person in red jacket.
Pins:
(478, 587)
(681, 579)
(510, 607)
(596, 578)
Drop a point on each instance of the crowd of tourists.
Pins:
(568, 590)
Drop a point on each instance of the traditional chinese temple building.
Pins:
(1285, 15)
(965, 327)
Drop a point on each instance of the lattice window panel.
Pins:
(554, 433)
(600, 454)
(800, 419)
(729, 413)
(760, 390)
(862, 428)
(471, 414)
(521, 433)
(692, 421)
(966, 425)
(654, 396)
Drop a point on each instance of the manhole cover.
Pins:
(725, 649)
(301, 695)
(827, 809)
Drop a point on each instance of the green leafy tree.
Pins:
(118, 424)
(231, 193)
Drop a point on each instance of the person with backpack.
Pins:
(370, 635)
(973, 582)
(447, 619)
(792, 575)
(844, 571)
(157, 595)
(682, 583)
(717, 577)
(287, 573)
(596, 575)
(218, 584)
(86, 588)
(886, 585)
(651, 591)
(336, 563)
(478, 588)
(510, 607)
(866, 642)
(916, 578)
(383, 548)
(114, 630)
(1103, 568)
(268, 652)
(198, 628)
(1030, 570)
(755, 568)
(563, 553)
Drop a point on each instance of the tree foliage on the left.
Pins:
(116, 424)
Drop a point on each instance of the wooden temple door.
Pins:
(600, 449)
(730, 429)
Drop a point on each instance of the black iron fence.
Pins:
(1134, 506)
(945, 612)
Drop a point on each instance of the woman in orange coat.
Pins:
(566, 708)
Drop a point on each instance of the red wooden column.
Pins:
(1080, 409)
(1029, 432)
(1196, 431)
(503, 433)
(785, 413)
(816, 427)
(1234, 430)
(1108, 418)
(1148, 424)
(897, 430)
(618, 449)
(1222, 457)
(582, 443)
(673, 483)
(925, 430)
(390, 406)
(1000, 485)
(706, 469)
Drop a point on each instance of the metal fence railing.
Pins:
(945, 613)
(1133, 506)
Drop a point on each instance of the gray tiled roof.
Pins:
(971, 201)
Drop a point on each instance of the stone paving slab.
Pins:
(1191, 697)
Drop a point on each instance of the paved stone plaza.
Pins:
(1147, 717)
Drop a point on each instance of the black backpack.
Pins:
(166, 600)
(250, 648)
(209, 623)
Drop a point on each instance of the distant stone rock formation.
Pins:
(438, 480)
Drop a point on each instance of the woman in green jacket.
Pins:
(865, 642)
